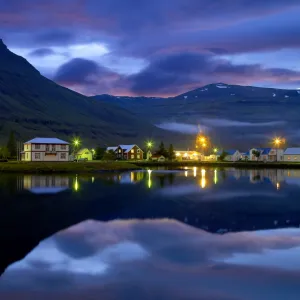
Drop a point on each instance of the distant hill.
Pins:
(239, 116)
(33, 105)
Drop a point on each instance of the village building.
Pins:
(266, 154)
(85, 154)
(291, 155)
(187, 155)
(158, 157)
(231, 155)
(127, 152)
(45, 149)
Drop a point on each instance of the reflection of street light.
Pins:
(149, 179)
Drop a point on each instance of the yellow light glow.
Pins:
(204, 145)
(195, 171)
(186, 173)
(215, 150)
(131, 176)
(203, 172)
(203, 182)
(76, 184)
(215, 176)
(277, 185)
(149, 144)
(149, 179)
(177, 154)
(185, 154)
(93, 179)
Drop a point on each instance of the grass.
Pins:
(65, 167)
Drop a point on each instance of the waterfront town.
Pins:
(54, 149)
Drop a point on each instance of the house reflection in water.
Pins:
(130, 177)
(49, 184)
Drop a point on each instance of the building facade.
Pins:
(127, 152)
(266, 154)
(45, 149)
(84, 154)
(291, 155)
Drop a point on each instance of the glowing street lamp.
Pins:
(277, 142)
(216, 150)
(149, 144)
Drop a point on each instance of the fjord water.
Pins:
(161, 234)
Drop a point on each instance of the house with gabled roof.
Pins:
(232, 155)
(45, 149)
(267, 154)
(292, 154)
(127, 152)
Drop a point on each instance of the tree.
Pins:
(171, 153)
(162, 150)
(4, 153)
(99, 153)
(12, 145)
(256, 153)
(109, 155)
(223, 156)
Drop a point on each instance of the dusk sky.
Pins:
(158, 47)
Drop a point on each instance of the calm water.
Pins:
(191, 234)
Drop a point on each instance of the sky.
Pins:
(158, 47)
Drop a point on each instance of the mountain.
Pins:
(33, 105)
(233, 115)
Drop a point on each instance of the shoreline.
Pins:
(236, 165)
(66, 167)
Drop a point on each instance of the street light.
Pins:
(277, 141)
(215, 150)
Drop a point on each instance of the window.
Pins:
(63, 155)
(37, 155)
(37, 146)
(53, 147)
(138, 150)
(138, 156)
(132, 156)
(120, 150)
(27, 147)
(289, 158)
(132, 151)
(63, 147)
(47, 148)
(295, 157)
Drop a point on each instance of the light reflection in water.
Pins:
(277, 186)
(215, 176)
(186, 173)
(195, 171)
(76, 184)
(149, 179)
(203, 179)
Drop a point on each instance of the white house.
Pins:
(292, 155)
(45, 149)
(232, 155)
(266, 154)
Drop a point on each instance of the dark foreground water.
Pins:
(193, 234)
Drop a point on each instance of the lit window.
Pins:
(295, 157)
(63, 155)
(132, 156)
(120, 150)
(37, 155)
(289, 158)
(132, 151)
(138, 151)
(37, 146)
(138, 156)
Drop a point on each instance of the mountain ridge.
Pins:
(33, 105)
